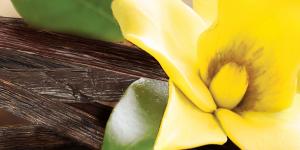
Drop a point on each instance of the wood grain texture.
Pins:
(30, 137)
(82, 85)
(90, 91)
(63, 119)
(91, 53)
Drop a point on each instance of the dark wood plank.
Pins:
(58, 117)
(70, 85)
(8, 119)
(15, 35)
(15, 59)
(30, 137)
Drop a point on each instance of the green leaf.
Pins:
(87, 18)
(135, 121)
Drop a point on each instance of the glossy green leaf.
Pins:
(87, 18)
(136, 119)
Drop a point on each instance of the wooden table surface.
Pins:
(57, 90)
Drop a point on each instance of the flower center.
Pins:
(229, 85)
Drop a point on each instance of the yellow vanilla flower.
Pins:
(238, 80)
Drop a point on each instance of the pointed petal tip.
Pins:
(185, 126)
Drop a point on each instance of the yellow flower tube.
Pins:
(241, 79)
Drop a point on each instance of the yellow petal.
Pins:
(208, 9)
(168, 30)
(262, 130)
(265, 40)
(7, 9)
(298, 82)
(186, 126)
